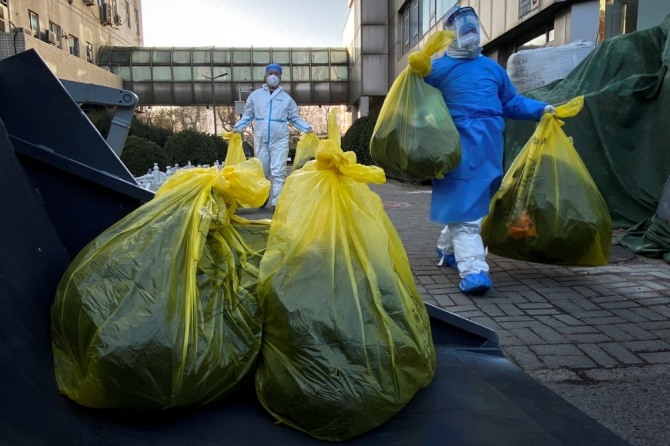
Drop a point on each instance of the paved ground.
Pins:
(599, 337)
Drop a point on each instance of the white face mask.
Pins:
(273, 80)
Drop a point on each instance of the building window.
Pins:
(56, 29)
(2, 20)
(415, 25)
(127, 13)
(89, 52)
(137, 21)
(428, 14)
(526, 6)
(73, 45)
(404, 33)
(34, 23)
(446, 7)
(417, 18)
(620, 18)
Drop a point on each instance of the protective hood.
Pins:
(465, 25)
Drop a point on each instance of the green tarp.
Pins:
(623, 132)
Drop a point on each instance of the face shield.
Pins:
(465, 25)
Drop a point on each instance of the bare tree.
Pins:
(191, 118)
(163, 117)
(227, 117)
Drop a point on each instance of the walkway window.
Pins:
(320, 57)
(241, 74)
(261, 57)
(181, 57)
(259, 74)
(300, 57)
(123, 72)
(280, 56)
(103, 57)
(199, 73)
(339, 73)
(338, 57)
(241, 57)
(182, 74)
(202, 57)
(141, 57)
(221, 57)
(219, 71)
(300, 73)
(162, 74)
(161, 57)
(320, 73)
(141, 74)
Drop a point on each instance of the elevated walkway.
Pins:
(201, 76)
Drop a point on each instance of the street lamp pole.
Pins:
(214, 98)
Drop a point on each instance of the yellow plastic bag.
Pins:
(160, 310)
(305, 150)
(346, 336)
(235, 154)
(308, 144)
(414, 137)
(548, 209)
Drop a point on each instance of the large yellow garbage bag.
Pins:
(160, 310)
(346, 337)
(548, 208)
(414, 137)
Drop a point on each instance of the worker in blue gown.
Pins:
(479, 95)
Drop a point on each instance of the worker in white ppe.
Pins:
(479, 96)
(271, 110)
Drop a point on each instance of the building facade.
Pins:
(382, 33)
(67, 34)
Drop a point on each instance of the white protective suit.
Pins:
(271, 113)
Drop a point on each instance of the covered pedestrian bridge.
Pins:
(222, 76)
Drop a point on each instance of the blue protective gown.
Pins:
(271, 113)
(479, 95)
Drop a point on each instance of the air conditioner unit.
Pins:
(117, 19)
(51, 37)
(89, 2)
(106, 14)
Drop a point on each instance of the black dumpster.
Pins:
(62, 185)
